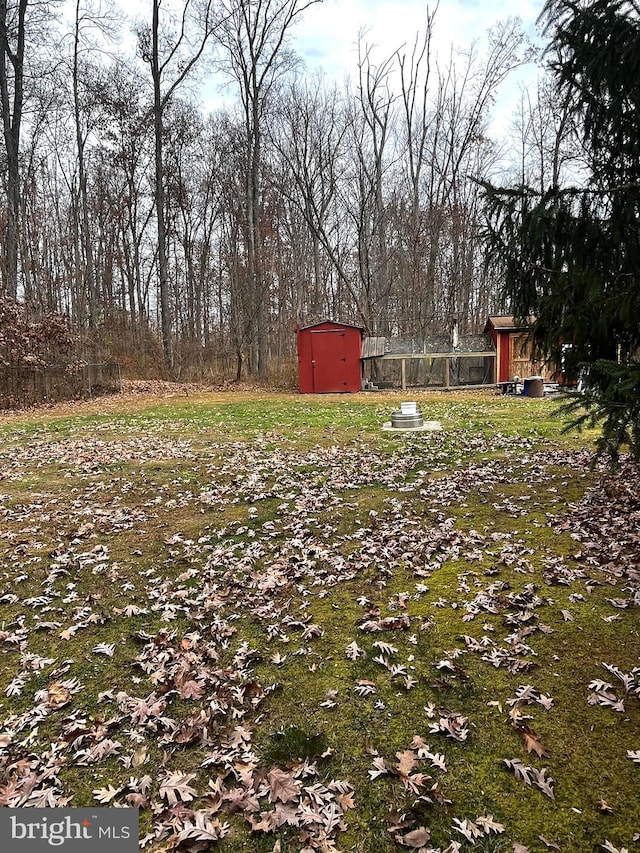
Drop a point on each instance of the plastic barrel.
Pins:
(533, 386)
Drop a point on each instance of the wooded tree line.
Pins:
(189, 240)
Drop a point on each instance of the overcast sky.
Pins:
(327, 35)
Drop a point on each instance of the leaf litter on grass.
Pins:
(189, 691)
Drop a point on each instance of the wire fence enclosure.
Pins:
(22, 386)
(433, 362)
(433, 371)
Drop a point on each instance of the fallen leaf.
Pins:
(107, 649)
(532, 741)
(57, 694)
(283, 787)
(175, 787)
(105, 795)
(416, 838)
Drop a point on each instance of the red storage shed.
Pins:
(513, 349)
(329, 358)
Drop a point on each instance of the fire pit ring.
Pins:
(408, 416)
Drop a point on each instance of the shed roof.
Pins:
(507, 323)
(333, 322)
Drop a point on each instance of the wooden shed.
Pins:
(513, 350)
(329, 358)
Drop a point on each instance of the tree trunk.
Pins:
(163, 266)
(86, 273)
(11, 120)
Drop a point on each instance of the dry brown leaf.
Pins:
(105, 795)
(406, 761)
(283, 786)
(57, 694)
(416, 838)
(532, 741)
(175, 787)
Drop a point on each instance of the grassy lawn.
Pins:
(271, 626)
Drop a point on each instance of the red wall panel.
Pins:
(329, 358)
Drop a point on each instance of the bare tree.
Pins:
(309, 131)
(171, 56)
(254, 38)
(461, 149)
(299, 200)
(90, 19)
(126, 142)
(13, 21)
(546, 140)
(374, 115)
(415, 297)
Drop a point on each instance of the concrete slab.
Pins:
(427, 426)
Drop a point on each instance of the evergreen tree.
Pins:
(571, 255)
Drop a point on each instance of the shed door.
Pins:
(520, 357)
(329, 360)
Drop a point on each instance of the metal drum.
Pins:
(407, 419)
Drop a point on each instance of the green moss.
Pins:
(291, 743)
